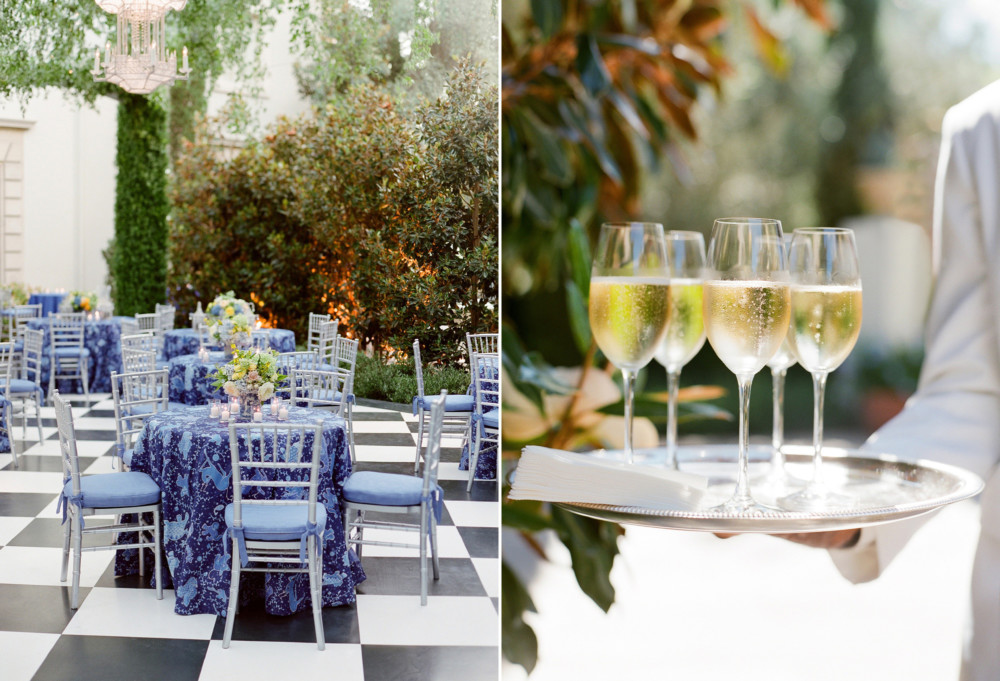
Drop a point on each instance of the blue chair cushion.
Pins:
(20, 385)
(114, 490)
(452, 402)
(276, 523)
(383, 489)
(19, 346)
(491, 419)
(72, 352)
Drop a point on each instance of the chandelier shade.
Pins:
(152, 7)
(138, 61)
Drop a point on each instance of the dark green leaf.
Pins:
(548, 148)
(520, 645)
(548, 15)
(579, 320)
(525, 516)
(593, 545)
(578, 250)
(590, 64)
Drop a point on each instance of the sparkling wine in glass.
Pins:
(746, 316)
(629, 301)
(826, 320)
(685, 326)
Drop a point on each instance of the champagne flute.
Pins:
(746, 317)
(629, 293)
(779, 365)
(826, 320)
(685, 326)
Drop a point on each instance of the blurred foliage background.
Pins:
(812, 112)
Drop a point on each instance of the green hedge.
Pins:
(139, 256)
(397, 382)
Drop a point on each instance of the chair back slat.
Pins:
(315, 320)
(137, 395)
(129, 327)
(288, 363)
(6, 368)
(165, 317)
(67, 329)
(486, 369)
(432, 453)
(418, 368)
(280, 447)
(31, 356)
(261, 338)
(481, 344)
(139, 352)
(67, 440)
(327, 341)
(320, 389)
(345, 358)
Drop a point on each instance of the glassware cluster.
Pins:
(760, 299)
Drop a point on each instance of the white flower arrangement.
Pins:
(253, 371)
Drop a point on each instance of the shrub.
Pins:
(387, 221)
(397, 382)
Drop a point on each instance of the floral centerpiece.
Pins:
(233, 333)
(250, 376)
(226, 306)
(79, 301)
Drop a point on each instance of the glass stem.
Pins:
(742, 494)
(628, 380)
(819, 390)
(778, 430)
(673, 384)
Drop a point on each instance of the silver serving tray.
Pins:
(881, 488)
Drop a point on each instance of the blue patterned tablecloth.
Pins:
(187, 453)
(486, 465)
(8, 414)
(49, 301)
(189, 381)
(104, 340)
(185, 342)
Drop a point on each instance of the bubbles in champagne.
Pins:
(746, 321)
(783, 359)
(686, 327)
(826, 321)
(628, 316)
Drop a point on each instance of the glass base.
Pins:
(743, 505)
(815, 497)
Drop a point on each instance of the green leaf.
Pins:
(579, 319)
(590, 63)
(525, 516)
(592, 545)
(578, 250)
(520, 645)
(548, 15)
(547, 147)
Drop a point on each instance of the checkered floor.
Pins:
(122, 632)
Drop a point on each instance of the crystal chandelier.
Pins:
(139, 61)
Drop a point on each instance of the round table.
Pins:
(50, 302)
(103, 339)
(189, 381)
(187, 453)
(177, 342)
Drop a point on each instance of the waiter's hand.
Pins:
(838, 539)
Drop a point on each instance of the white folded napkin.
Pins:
(545, 474)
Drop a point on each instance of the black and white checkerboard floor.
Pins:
(122, 632)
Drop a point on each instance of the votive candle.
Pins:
(257, 415)
(224, 415)
(275, 406)
(283, 414)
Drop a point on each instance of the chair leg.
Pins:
(423, 554)
(234, 593)
(350, 432)
(142, 552)
(434, 548)
(84, 371)
(157, 566)
(9, 425)
(77, 556)
(53, 363)
(474, 457)
(65, 560)
(361, 533)
(316, 588)
(38, 416)
(420, 440)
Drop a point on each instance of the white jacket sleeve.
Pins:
(954, 417)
